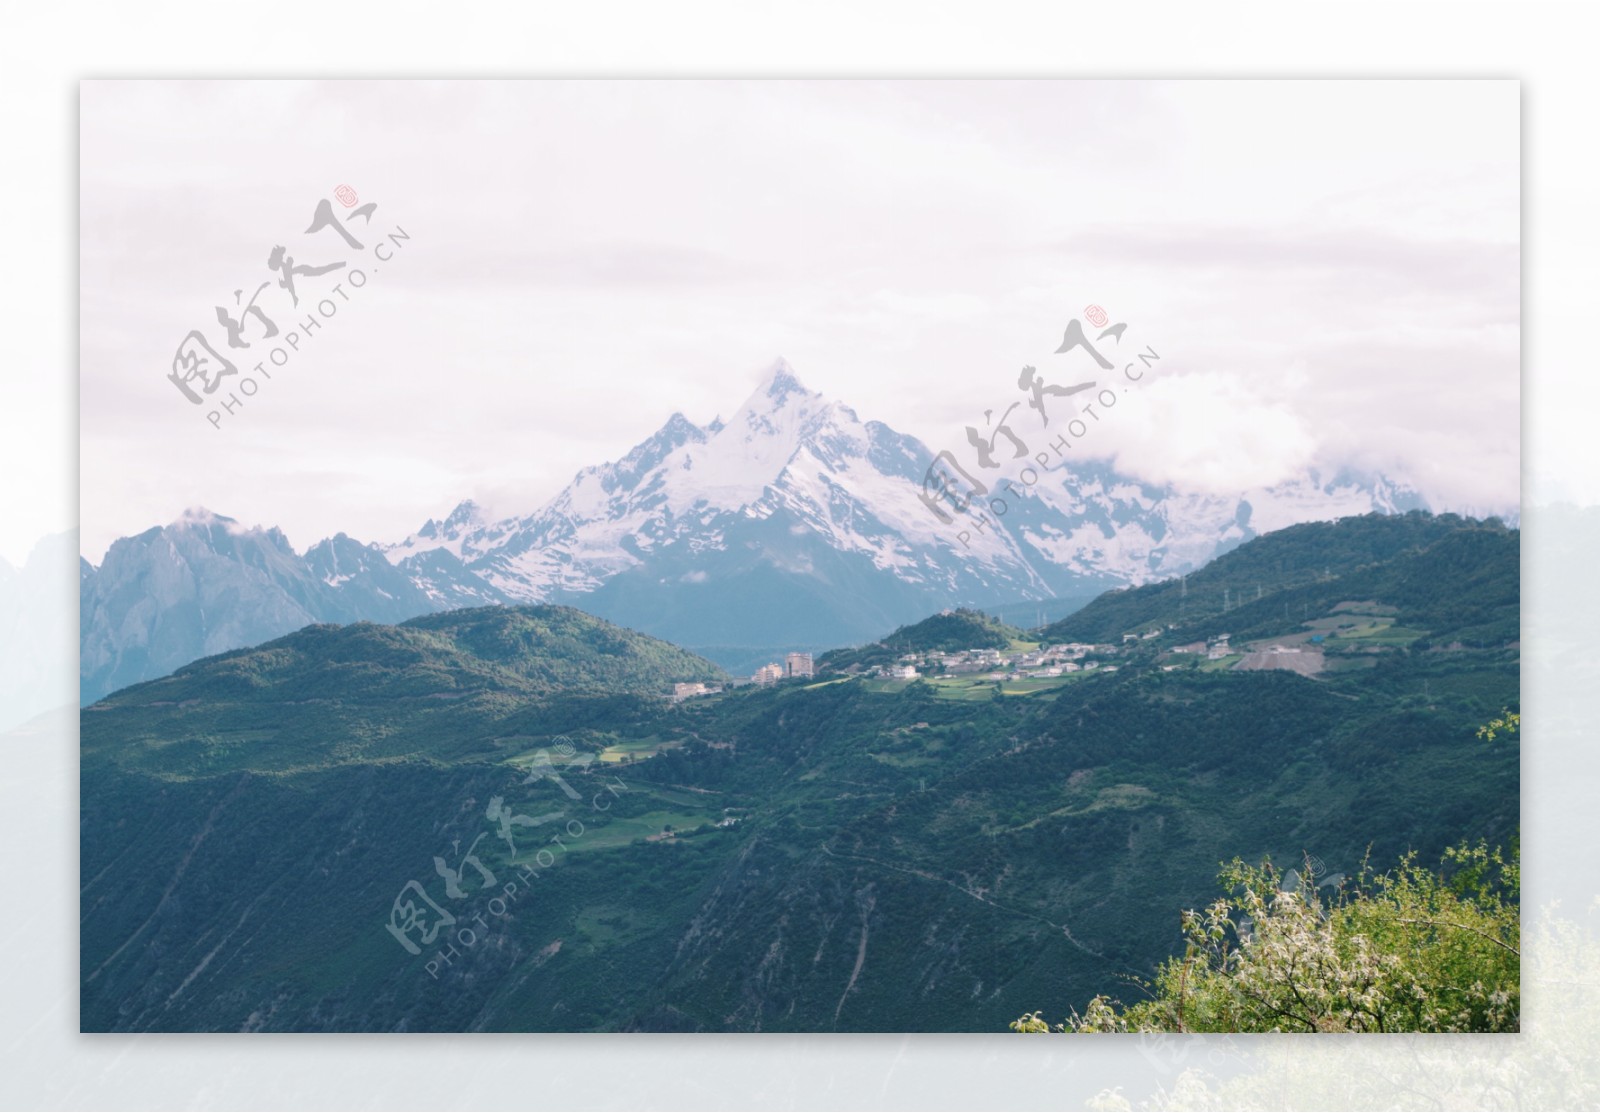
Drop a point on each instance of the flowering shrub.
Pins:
(1413, 950)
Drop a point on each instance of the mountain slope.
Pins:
(793, 525)
(199, 586)
(960, 629)
(205, 584)
(794, 522)
(849, 855)
(1267, 586)
(332, 695)
(797, 525)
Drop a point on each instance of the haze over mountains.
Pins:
(793, 524)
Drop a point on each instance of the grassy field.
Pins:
(617, 753)
(974, 688)
(1384, 634)
(622, 832)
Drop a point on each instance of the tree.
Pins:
(1413, 950)
(1509, 722)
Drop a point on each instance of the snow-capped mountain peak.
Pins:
(792, 523)
(729, 468)
(792, 475)
(778, 384)
(800, 470)
(465, 520)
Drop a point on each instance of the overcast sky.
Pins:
(1328, 269)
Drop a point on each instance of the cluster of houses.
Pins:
(1046, 661)
(999, 664)
(984, 664)
(1214, 650)
(794, 665)
(681, 692)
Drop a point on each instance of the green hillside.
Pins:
(844, 855)
(329, 695)
(1456, 578)
(958, 629)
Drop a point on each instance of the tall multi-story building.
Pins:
(768, 674)
(798, 664)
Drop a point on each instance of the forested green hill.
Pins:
(1456, 578)
(959, 629)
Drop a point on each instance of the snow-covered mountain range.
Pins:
(794, 524)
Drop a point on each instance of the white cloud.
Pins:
(1214, 434)
(588, 257)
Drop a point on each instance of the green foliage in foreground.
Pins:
(1413, 950)
(1507, 722)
